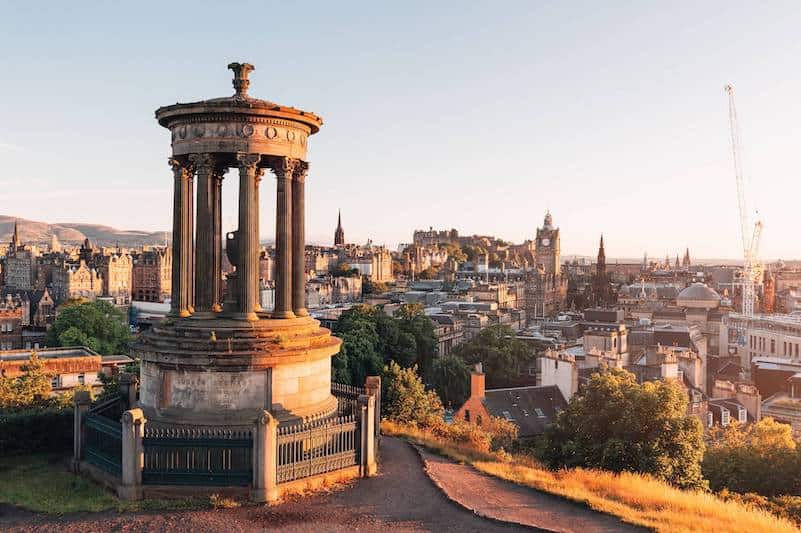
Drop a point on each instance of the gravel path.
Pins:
(401, 498)
(495, 498)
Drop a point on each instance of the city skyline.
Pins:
(616, 122)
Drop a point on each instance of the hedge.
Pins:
(36, 430)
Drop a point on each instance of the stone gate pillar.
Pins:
(265, 461)
(133, 455)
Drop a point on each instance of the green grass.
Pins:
(42, 483)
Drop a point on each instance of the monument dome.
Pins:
(698, 296)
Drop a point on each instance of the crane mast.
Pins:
(750, 238)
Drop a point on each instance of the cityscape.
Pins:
(361, 347)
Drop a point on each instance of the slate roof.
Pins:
(530, 408)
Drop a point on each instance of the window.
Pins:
(710, 419)
(772, 345)
(478, 420)
(742, 415)
(467, 415)
(55, 382)
(724, 417)
(81, 379)
(539, 412)
(532, 371)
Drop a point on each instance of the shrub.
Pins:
(405, 399)
(36, 430)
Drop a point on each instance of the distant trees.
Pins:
(96, 325)
(499, 351)
(373, 287)
(450, 377)
(371, 339)
(617, 424)
(30, 389)
(760, 457)
(343, 269)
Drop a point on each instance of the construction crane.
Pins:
(750, 237)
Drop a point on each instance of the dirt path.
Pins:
(402, 498)
(495, 498)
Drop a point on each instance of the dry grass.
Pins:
(634, 498)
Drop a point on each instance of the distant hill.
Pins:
(68, 233)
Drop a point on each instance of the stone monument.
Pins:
(220, 359)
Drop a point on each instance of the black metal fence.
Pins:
(103, 442)
(317, 447)
(198, 456)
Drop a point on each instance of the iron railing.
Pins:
(198, 456)
(317, 447)
(347, 398)
(103, 443)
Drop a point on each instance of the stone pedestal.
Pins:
(82, 402)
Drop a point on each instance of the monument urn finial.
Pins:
(241, 81)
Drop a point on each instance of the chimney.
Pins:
(477, 382)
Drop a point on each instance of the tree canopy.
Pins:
(96, 325)
(498, 350)
(760, 457)
(450, 377)
(371, 339)
(616, 424)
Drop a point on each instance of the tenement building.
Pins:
(151, 275)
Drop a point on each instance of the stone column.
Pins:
(82, 402)
(369, 467)
(299, 239)
(133, 455)
(264, 459)
(216, 203)
(204, 250)
(248, 236)
(190, 241)
(283, 238)
(181, 238)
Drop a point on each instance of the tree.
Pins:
(97, 325)
(616, 424)
(343, 269)
(405, 400)
(498, 350)
(450, 377)
(374, 287)
(414, 324)
(429, 273)
(761, 458)
(31, 389)
(371, 339)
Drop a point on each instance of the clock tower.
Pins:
(548, 247)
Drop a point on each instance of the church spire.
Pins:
(339, 234)
(601, 263)
(15, 238)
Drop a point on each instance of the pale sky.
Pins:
(473, 115)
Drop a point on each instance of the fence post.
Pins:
(133, 430)
(128, 388)
(373, 387)
(81, 403)
(265, 461)
(367, 432)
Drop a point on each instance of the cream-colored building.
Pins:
(76, 280)
(769, 335)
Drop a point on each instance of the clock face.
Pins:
(546, 241)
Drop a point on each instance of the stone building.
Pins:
(20, 264)
(116, 270)
(432, 237)
(373, 262)
(151, 278)
(12, 313)
(76, 280)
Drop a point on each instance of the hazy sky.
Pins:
(473, 115)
